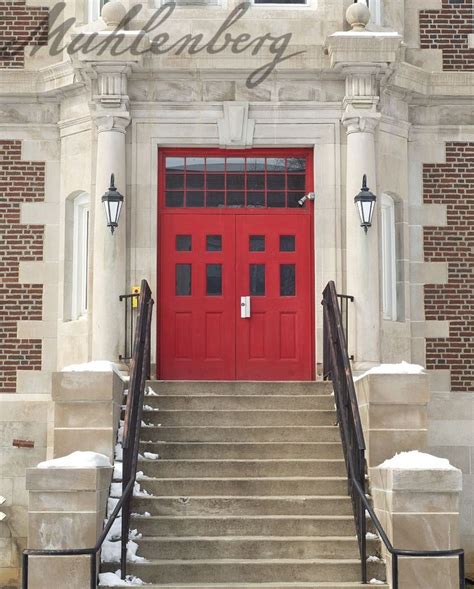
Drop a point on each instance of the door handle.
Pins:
(245, 311)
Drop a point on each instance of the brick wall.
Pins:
(19, 182)
(452, 184)
(20, 26)
(447, 29)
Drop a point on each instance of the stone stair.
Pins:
(250, 490)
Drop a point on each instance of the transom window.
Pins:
(234, 182)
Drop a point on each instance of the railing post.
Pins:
(24, 578)
(94, 570)
(462, 575)
(394, 571)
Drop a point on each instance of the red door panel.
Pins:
(197, 297)
(274, 268)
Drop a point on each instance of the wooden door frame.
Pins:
(307, 153)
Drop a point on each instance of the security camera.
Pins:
(309, 196)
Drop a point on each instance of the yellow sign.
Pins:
(135, 291)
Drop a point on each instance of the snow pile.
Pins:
(149, 392)
(139, 492)
(96, 366)
(145, 514)
(151, 455)
(114, 580)
(115, 532)
(77, 460)
(111, 552)
(371, 536)
(416, 460)
(402, 368)
(376, 582)
(118, 470)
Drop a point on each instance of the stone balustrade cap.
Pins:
(68, 479)
(417, 481)
(359, 48)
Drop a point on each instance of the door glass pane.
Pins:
(235, 164)
(194, 198)
(214, 243)
(235, 181)
(215, 181)
(184, 243)
(215, 164)
(296, 164)
(256, 199)
(287, 280)
(195, 164)
(256, 182)
(255, 164)
(276, 164)
(287, 243)
(257, 280)
(174, 164)
(235, 199)
(195, 181)
(257, 243)
(183, 280)
(276, 199)
(174, 198)
(175, 181)
(276, 182)
(213, 280)
(296, 181)
(215, 199)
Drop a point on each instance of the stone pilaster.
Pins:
(362, 58)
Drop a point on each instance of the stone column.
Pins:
(109, 251)
(362, 249)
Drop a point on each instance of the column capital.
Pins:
(112, 121)
(360, 122)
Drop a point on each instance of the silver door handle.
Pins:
(245, 311)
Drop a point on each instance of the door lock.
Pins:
(245, 307)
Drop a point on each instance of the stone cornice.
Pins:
(412, 83)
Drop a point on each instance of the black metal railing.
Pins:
(353, 443)
(131, 304)
(139, 369)
(343, 301)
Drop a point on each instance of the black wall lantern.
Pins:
(113, 202)
(365, 202)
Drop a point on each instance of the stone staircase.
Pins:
(250, 489)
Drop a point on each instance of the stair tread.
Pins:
(292, 478)
(249, 538)
(250, 561)
(260, 497)
(251, 517)
(239, 460)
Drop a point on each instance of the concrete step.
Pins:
(292, 505)
(242, 468)
(322, 585)
(239, 388)
(272, 525)
(247, 486)
(241, 418)
(251, 548)
(204, 433)
(239, 402)
(243, 450)
(231, 571)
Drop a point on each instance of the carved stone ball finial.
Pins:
(112, 13)
(358, 15)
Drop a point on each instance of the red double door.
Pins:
(209, 264)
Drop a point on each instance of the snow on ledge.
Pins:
(402, 368)
(77, 460)
(95, 366)
(416, 460)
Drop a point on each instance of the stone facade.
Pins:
(405, 117)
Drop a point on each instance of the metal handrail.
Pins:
(343, 301)
(139, 369)
(353, 443)
(131, 304)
